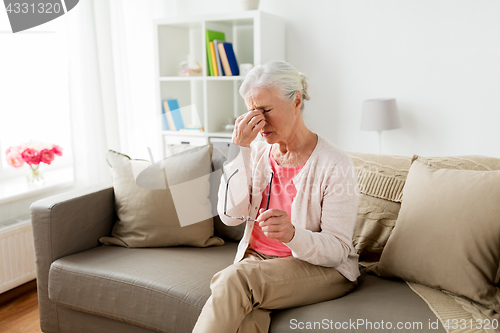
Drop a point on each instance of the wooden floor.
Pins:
(20, 315)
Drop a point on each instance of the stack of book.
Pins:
(172, 118)
(220, 55)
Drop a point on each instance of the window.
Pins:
(34, 92)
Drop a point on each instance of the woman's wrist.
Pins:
(293, 235)
(239, 143)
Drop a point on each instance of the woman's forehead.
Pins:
(264, 96)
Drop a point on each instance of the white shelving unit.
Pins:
(257, 37)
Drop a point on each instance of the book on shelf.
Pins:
(176, 113)
(168, 117)
(217, 57)
(214, 59)
(173, 114)
(164, 119)
(210, 36)
(223, 59)
(228, 59)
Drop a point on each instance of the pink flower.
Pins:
(57, 150)
(14, 148)
(47, 156)
(31, 156)
(14, 158)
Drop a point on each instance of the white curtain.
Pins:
(112, 84)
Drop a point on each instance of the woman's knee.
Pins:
(229, 276)
(236, 277)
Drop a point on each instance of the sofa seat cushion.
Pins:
(376, 305)
(161, 289)
(165, 289)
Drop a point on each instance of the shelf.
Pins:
(221, 134)
(225, 78)
(183, 133)
(199, 134)
(200, 78)
(181, 78)
(257, 37)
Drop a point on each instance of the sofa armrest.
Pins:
(65, 224)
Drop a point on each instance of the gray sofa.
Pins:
(84, 286)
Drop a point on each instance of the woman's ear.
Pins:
(298, 100)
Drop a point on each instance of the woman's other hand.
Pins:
(276, 224)
(247, 126)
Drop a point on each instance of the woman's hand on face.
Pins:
(247, 126)
(276, 224)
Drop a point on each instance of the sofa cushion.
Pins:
(234, 233)
(466, 162)
(74, 321)
(162, 289)
(447, 235)
(375, 221)
(373, 303)
(381, 176)
(381, 180)
(157, 213)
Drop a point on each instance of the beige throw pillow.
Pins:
(232, 233)
(381, 176)
(466, 162)
(381, 180)
(374, 223)
(147, 217)
(447, 235)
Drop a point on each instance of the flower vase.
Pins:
(33, 175)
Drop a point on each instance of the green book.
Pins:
(211, 35)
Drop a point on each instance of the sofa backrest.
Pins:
(381, 180)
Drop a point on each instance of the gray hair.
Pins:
(279, 76)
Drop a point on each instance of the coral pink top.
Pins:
(282, 193)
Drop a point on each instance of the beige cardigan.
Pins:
(323, 211)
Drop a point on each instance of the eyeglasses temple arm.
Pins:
(227, 189)
(269, 191)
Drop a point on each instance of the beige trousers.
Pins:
(244, 293)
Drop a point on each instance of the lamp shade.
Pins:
(380, 115)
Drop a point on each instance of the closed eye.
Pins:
(266, 111)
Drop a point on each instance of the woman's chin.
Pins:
(268, 136)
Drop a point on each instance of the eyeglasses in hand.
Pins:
(246, 219)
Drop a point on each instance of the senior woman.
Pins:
(297, 194)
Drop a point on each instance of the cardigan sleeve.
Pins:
(238, 196)
(331, 246)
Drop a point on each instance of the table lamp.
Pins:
(380, 115)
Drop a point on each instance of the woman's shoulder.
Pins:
(333, 162)
(329, 153)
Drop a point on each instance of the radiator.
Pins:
(17, 255)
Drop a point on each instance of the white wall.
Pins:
(439, 58)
